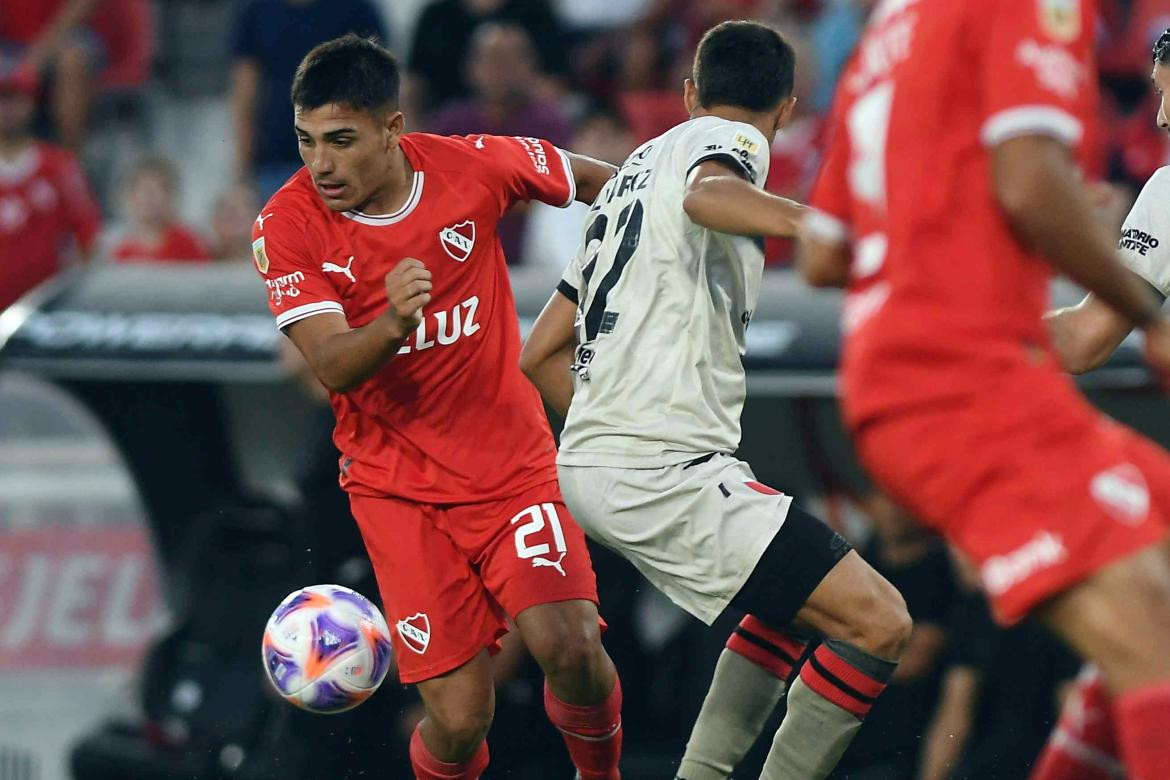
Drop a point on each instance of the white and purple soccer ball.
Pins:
(326, 648)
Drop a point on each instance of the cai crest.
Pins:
(458, 240)
(415, 632)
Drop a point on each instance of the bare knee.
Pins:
(883, 623)
(570, 647)
(461, 724)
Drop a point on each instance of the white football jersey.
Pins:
(1145, 235)
(662, 308)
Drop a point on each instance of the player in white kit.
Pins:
(640, 348)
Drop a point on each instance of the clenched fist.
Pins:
(408, 289)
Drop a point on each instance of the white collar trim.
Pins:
(416, 190)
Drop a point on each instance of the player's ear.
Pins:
(394, 123)
(785, 112)
(690, 95)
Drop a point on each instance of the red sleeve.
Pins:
(828, 217)
(1038, 75)
(526, 169)
(80, 209)
(290, 260)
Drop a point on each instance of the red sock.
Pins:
(1084, 745)
(839, 681)
(772, 650)
(427, 767)
(592, 734)
(1143, 721)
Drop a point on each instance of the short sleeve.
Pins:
(828, 217)
(527, 169)
(572, 280)
(739, 145)
(1038, 76)
(1145, 234)
(285, 256)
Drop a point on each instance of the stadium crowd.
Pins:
(85, 178)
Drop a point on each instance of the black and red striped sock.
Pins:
(774, 651)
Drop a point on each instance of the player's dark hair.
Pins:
(351, 71)
(1162, 48)
(744, 64)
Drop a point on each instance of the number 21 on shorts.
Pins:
(538, 515)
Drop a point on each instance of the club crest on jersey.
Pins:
(259, 255)
(1060, 19)
(458, 240)
(415, 632)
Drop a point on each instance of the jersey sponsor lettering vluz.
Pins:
(1146, 230)
(451, 419)
(663, 306)
(937, 302)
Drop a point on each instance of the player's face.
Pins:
(1161, 79)
(348, 152)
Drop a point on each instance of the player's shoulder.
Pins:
(465, 153)
(296, 205)
(1159, 181)
(53, 157)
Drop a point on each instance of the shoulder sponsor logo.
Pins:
(259, 256)
(1060, 19)
(1001, 573)
(415, 632)
(284, 287)
(344, 270)
(747, 144)
(536, 153)
(1055, 68)
(458, 240)
(1122, 492)
(1138, 241)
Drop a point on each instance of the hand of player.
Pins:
(1157, 349)
(408, 289)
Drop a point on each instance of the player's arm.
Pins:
(719, 198)
(1085, 335)
(342, 357)
(1040, 193)
(590, 175)
(822, 263)
(548, 353)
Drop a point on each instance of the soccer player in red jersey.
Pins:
(948, 193)
(383, 268)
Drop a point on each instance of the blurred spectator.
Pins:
(503, 72)
(917, 564)
(442, 39)
(232, 216)
(271, 37)
(551, 234)
(54, 36)
(152, 234)
(1001, 694)
(46, 209)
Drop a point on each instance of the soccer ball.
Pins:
(326, 648)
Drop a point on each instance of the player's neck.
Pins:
(394, 193)
(736, 114)
(12, 146)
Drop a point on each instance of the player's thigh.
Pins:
(528, 548)
(695, 531)
(440, 614)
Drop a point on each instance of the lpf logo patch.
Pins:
(415, 632)
(458, 240)
(1060, 19)
(259, 255)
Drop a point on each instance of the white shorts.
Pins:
(696, 531)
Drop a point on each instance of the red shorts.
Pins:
(449, 574)
(1027, 479)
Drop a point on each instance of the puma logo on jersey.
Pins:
(479, 142)
(334, 268)
(443, 327)
(260, 219)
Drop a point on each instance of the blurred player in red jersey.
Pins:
(383, 267)
(951, 176)
(46, 210)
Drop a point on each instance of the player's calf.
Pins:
(582, 694)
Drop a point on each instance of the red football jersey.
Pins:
(45, 205)
(940, 290)
(451, 419)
